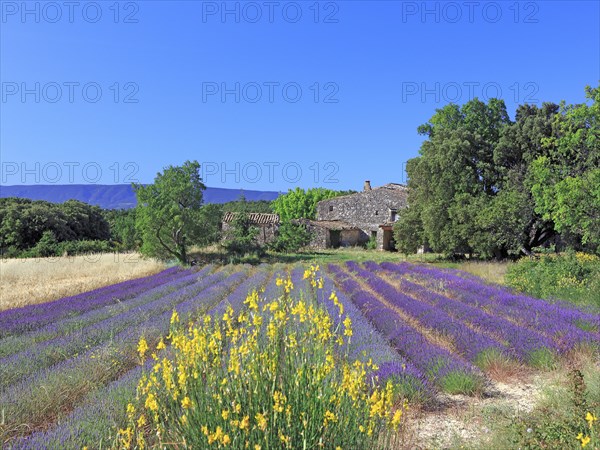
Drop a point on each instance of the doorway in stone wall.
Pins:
(334, 238)
(389, 243)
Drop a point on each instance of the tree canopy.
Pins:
(301, 204)
(487, 185)
(24, 222)
(170, 216)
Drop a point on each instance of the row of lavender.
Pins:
(437, 364)
(566, 326)
(31, 317)
(465, 327)
(94, 420)
(366, 343)
(67, 369)
(59, 342)
(81, 317)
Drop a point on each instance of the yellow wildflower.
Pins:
(151, 402)
(142, 347)
(347, 326)
(284, 439)
(396, 418)
(225, 414)
(591, 418)
(585, 440)
(174, 317)
(161, 345)
(126, 435)
(329, 417)
(261, 421)
(252, 301)
(186, 403)
(244, 423)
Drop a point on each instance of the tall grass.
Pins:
(39, 280)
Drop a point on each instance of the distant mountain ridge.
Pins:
(117, 196)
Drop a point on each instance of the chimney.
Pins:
(367, 185)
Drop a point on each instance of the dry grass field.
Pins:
(37, 280)
(491, 271)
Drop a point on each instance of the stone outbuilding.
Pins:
(355, 218)
(331, 233)
(267, 224)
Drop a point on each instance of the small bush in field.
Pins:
(269, 377)
(571, 276)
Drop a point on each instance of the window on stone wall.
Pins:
(376, 213)
(330, 208)
(393, 215)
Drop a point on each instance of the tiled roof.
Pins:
(255, 218)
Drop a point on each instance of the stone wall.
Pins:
(365, 210)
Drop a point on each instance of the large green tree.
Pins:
(565, 182)
(170, 217)
(487, 185)
(453, 178)
(301, 204)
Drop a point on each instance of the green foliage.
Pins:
(561, 421)
(408, 230)
(122, 228)
(258, 206)
(572, 203)
(488, 186)
(291, 238)
(170, 217)
(372, 243)
(36, 227)
(48, 246)
(574, 277)
(542, 358)
(461, 383)
(301, 204)
(240, 240)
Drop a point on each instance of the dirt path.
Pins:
(460, 419)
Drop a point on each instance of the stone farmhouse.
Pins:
(345, 221)
(353, 219)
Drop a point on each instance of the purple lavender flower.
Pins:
(434, 361)
(553, 321)
(26, 318)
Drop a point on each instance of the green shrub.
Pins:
(46, 246)
(574, 277)
(241, 240)
(291, 238)
(372, 243)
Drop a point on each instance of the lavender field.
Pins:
(69, 368)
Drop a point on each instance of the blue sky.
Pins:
(267, 95)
